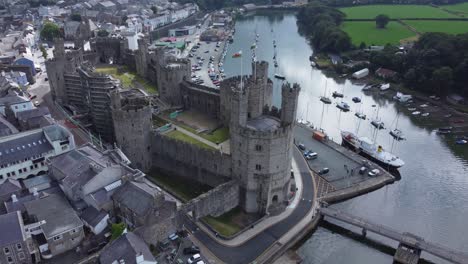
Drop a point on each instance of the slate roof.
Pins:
(35, 112)
(23, 147)
(37, 180)
(10, 228)
(9, 186)
(56, 211)
(12, 100)
(92, 216)
(126, 248)
(138, 196)
(263, 123)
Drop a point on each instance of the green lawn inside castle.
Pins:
(129, 79)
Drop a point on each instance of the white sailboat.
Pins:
(397, 133)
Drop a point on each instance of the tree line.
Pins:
(437, 63)
(342, 3)
(322, 25)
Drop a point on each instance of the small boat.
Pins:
(367, 87)
(360, 115)
(343, 106)
(356, 99)
(416, 113)
(444, 130)
(378, 124)
(325, 100)
(461, 142)
(385, 87)
(448, 116)
(424, 105)
(397, 134)
(276, 64)
(336, 94)
(279, 76)
(411, 109)
(313, 64)
(425, 114)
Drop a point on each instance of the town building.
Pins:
(143, 207)
(16, 245)
(129, 248)
(60, 229)
(17, 103)
(23, 155)
(89, 176)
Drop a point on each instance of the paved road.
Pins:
(253, 248)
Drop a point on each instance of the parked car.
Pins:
(374, 172)
(311, 155)
(362, 170)
(323, 171)
(301, 146)
(194, 259)
(191, 250)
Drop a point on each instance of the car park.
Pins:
(324, 171)
(374, 172)
(191, 250)
(194, 259)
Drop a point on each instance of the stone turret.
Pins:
(289, 96)
(132, 117)
(261, 145)
(141, 57)
(55, 71)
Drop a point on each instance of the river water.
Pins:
(430, 200)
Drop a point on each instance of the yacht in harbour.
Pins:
(367, 148)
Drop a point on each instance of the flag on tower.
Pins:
(237, 54)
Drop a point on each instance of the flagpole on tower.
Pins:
(242, 76)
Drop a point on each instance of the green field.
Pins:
(128, 78)
(459, 8)
(451, 27)
(188, 139)
(368, 33)
(395, 11)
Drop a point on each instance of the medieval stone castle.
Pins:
(255, 175)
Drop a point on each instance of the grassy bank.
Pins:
(128, 78)
(368, 33)
(188, 139)
(225, 224)
(395, 11)
(450, 27)
(185, 189)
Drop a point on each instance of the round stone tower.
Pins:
(132, 125)
(261, 148)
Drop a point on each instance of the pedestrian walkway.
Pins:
(264, 224)
(197, 137)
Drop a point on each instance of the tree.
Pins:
(76, 17)
(102, 33)
(154, 9)
(442, 78)
(117, 230)
(50, 31)
(381, 21)
(44, 52)
(362, 45)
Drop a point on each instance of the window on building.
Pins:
(24, 106)
(31, 167)
(73, 231)
(20, 171)
(258, 147)
(13, 173)
(16, 107)
(1, 176)
(57, 237)
(35, 166)
(19, 247)
(6, 250)
(8, 174)
(21, 256)
(10, 260)
(258, 167)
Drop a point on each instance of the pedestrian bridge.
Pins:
(410, 246)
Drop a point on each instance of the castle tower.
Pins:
(141, 57)
(258, 91)
(289, 95)
(132, 127)
(55, 71)
(261, 147)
